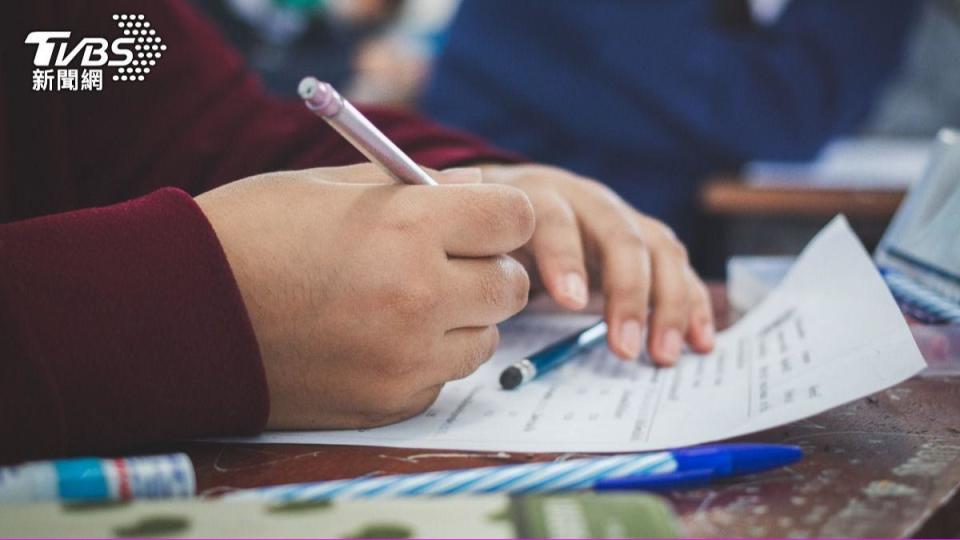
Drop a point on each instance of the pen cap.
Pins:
(737, 459)
(320, 97)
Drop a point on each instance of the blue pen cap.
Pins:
(737, 458)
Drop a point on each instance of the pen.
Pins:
(702, 464)
(327, 103)
(95, 479)
(552, 356)
(656, 470)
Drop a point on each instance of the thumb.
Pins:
(458, 175)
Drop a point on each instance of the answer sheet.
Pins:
(829, 334)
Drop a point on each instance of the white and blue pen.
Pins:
(553, 356)
(513, 479)
(681, 468)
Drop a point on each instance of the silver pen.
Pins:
(327, 103)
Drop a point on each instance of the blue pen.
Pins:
(701, 465)
(654, 470)
(553, 356)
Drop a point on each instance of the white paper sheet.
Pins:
(831, 333)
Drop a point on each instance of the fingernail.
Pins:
(462, 175)
(575, 288)
(672, 344)
(709, 333)
(631, 337)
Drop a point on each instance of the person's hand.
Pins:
(366, 298)
(640, 263)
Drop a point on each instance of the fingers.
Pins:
(626, 287)
(485, 291)
(402, 408)
(700, 327)
(464, 350)
(645, 270)
(625, 264)
(457, 175)
(369, 173)
(363, 173)
(558, 250)
(670, 300)
(474, 220)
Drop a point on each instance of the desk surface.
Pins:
(887, 465)
(733, 196)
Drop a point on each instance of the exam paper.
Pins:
(829, 334)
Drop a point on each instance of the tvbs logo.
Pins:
(79, 65)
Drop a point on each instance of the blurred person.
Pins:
(282, 39)
(391, 67)
(649, 97)
(377, 51)
(924, 95)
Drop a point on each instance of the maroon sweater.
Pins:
(120, 322)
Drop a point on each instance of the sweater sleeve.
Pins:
(121, 326)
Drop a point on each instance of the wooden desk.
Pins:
(732, 196)
(887, 465)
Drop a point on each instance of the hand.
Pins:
(367, 298)
(642, 265)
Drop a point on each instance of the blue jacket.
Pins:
(650, 96)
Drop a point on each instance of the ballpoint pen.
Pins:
(327, 103)
(552, 356)
(702, 464)
(649, 471)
